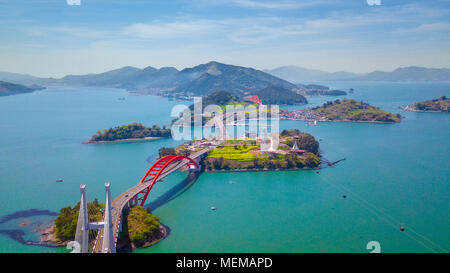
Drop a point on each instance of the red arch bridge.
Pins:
(107, 235)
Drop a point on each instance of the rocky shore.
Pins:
(48, 236)
(124, 244)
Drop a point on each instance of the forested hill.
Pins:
(279, 95)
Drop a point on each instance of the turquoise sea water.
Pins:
(394, 174)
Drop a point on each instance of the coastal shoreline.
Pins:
(48, 237)
(144, 139)
(263, 170)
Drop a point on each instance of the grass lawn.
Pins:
(230, 152)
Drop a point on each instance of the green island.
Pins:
(296, 150)
(64, 228)
(440, 105)
(342, 110)
(140, 227)
(132, 132)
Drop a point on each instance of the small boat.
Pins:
(59, 180)
(213, 208)
(314, 123)
(121, 98)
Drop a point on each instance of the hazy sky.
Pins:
(53, 38)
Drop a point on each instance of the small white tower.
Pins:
(295, 147)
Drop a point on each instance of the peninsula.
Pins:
(345, 110)
(440, 105)
(127, 133)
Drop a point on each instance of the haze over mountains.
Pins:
(200, 80)
(7, 88)
(297, 74)
(207, 78)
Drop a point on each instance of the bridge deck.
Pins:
(123, 199)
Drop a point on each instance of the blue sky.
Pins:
(52, 38)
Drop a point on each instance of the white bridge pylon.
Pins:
(83, 225)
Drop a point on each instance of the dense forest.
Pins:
(140, 228)
(141, 224)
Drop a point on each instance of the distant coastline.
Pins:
(342, 120)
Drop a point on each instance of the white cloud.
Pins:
(429, 28)
(439, 26)
(259, 4)
(332, 39)
(170, 29)
(274, 4)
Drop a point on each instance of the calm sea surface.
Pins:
(394, 175)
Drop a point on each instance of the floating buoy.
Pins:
(402, 229)
(344, 196)
(317, 171)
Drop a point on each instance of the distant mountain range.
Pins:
(7, 88)
(297, 74)
(204, 79)
(200, 80)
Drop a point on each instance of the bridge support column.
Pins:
(82, 231)
(109, 245)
